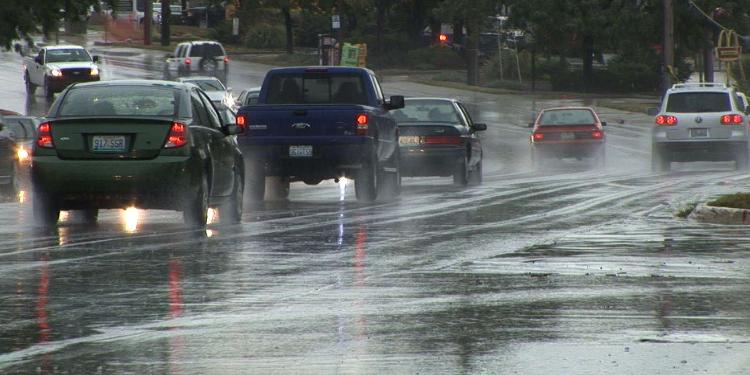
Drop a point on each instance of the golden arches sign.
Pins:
(728, 46)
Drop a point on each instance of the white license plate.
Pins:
(108, 143)
(304, 151)
(567, 136)
(408, 140)
(699, 132)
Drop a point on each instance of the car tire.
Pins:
(659, 161)
(30, 87)
(277, 188)
(741, 160)
(195, 211)
(231, 212)
(389, 182)
(90, 215)
(366, 181)
(475, 175)
(255, 181)
(461, 173)
(45, 209)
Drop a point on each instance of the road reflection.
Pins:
(176, 339)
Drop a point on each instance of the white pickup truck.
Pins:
(56, 67)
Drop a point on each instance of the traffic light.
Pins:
(442, 38)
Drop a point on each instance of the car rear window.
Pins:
(694, 102)
(316, 88)
(22, 128)
(119, 100)
(567, 117)
(206, 50)
(427, 111)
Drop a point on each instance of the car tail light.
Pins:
(441, 140)
(363, 123)
(666, 120)
(241, 121)
(177, 136)
(537, 136)
(597, 134)
(44, 137)
(188, 61)
(731, 120)
(226, 59)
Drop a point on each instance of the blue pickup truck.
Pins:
(318, 123)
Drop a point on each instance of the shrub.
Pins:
(223, 33)
(265, 36)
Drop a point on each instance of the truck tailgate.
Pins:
(302, 120)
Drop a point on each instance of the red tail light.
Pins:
(188, 61)
(537, 136)
(441, 140)
(44, 137)
(666, 120)
(363, 123)
(177, 136)
(597, 134)
(241, 121)
(731, 120)
(226, 59)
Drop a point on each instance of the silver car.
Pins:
(699, 122)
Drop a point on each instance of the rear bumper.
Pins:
(430, 161)
(700, 151)
(114, 183)
(341, 156)
(568, 150)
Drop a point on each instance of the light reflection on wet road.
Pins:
(569, 270)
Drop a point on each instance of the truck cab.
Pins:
(56, 67)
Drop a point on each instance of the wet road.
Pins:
(568, 270)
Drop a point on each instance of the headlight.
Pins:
(94, 71)
(56, 72)
(22, 154)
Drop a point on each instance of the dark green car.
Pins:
(148, 144)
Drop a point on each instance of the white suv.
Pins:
(201, 57)
(699, 122)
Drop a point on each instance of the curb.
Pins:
(720, 215)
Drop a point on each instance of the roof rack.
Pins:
(698, 84)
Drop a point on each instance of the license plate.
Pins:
(408, 140)
(567, 136)
(108, 143)
(699, 132)
(300, 151)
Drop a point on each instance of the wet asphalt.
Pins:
(564, 270)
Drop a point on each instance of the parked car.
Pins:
(437, 137)
(149, 144)
(568, 132)
(699, 122)
(248, 97)
(8, 182)
(212, 86)
(197, 58)
(22, 129)
(318, 123)
(56, 67)
(743, 102)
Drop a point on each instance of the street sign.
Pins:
(335, 22)
(728, 53)
(728, 46)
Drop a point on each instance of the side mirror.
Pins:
(38, 60)
(653, 111)
(480, 126)
(604, 123)
(233, 129)
(96, 58)
(396, 102)
(530, 125)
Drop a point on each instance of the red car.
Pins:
(568, 132)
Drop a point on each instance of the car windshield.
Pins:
(207, 84)
(695, 102)
(67, 55)
(567, 117)
(427, 111)
(316, 88)
(120, 100)
(20, 128)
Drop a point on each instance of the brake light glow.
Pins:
(177, 136)
(597, 134)
(188, 61)
(731, 120)
(241, 121)
(441, 140)
(363, 123)
(44, 137)
(226, 59)
(666, 120)
(537, 136)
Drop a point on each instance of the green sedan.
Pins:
(148, 144)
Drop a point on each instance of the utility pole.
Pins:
(166, 14)
(148, 16)
(668, 49)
